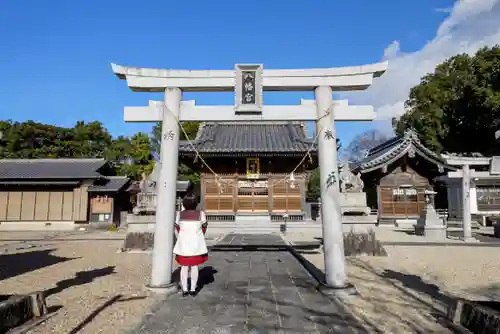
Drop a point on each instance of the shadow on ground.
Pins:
(115, 299)
(383, 305)
(12, 265)
(81, 277)
(206, 276)
(421, 303)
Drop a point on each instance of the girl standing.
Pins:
(190, 248)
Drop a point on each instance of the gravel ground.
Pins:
(398, 294)
(403, 292)
(80, 276)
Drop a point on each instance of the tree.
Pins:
(137, 149)
(457, 108)
(36, 140)
(91, 139)
(362, 143)
(85, 140)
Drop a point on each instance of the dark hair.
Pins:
(190, 202)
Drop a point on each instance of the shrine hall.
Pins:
(252, 161)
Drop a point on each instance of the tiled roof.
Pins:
(245, 137)
(395, 148)
(112, 184)
(31, 169)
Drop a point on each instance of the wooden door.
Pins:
(401, 201)
(253, 200)
(286, 198)
(218, 196)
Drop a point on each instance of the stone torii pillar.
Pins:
(166, 196)
(248, 82)
(465, 175)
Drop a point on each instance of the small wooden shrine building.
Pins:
(396, 174)
(252, 161)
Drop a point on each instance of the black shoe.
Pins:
(185, 293)
(193, 293)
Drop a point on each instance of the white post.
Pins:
(466, 203)
(161, 274)
(333, 236)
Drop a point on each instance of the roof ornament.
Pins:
(411, 134)
(411, 152)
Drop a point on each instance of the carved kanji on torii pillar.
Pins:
(249, 81)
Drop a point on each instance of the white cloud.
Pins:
(392, 51)
(470, 25)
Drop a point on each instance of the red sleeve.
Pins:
(204, 228)
(177, 228)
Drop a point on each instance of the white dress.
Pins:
(190, 238)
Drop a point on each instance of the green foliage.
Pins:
(313, 188)
(186, 174)
(85, 140)
(457, 108)
(138, 149)
(35, 140)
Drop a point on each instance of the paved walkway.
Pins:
(251, 292)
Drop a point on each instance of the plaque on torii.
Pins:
(248, 89)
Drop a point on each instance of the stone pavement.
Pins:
(251, 292)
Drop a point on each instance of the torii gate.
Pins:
(248, 82)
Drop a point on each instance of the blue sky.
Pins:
(55, 55)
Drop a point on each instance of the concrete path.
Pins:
(252, 292)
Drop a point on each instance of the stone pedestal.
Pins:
(430, 224)
(354, 204)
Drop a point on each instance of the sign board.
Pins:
(253, 168)
(253, 184)
(101, 205)
(248, 89)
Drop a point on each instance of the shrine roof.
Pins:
(61, 171)
(15, 169)
(394, 149)
(111, 184)
(246, 137)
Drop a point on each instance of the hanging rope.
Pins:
(220, 181)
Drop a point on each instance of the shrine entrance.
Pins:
(249, 81)
(253, 196)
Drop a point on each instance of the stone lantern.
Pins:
(430, 224)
